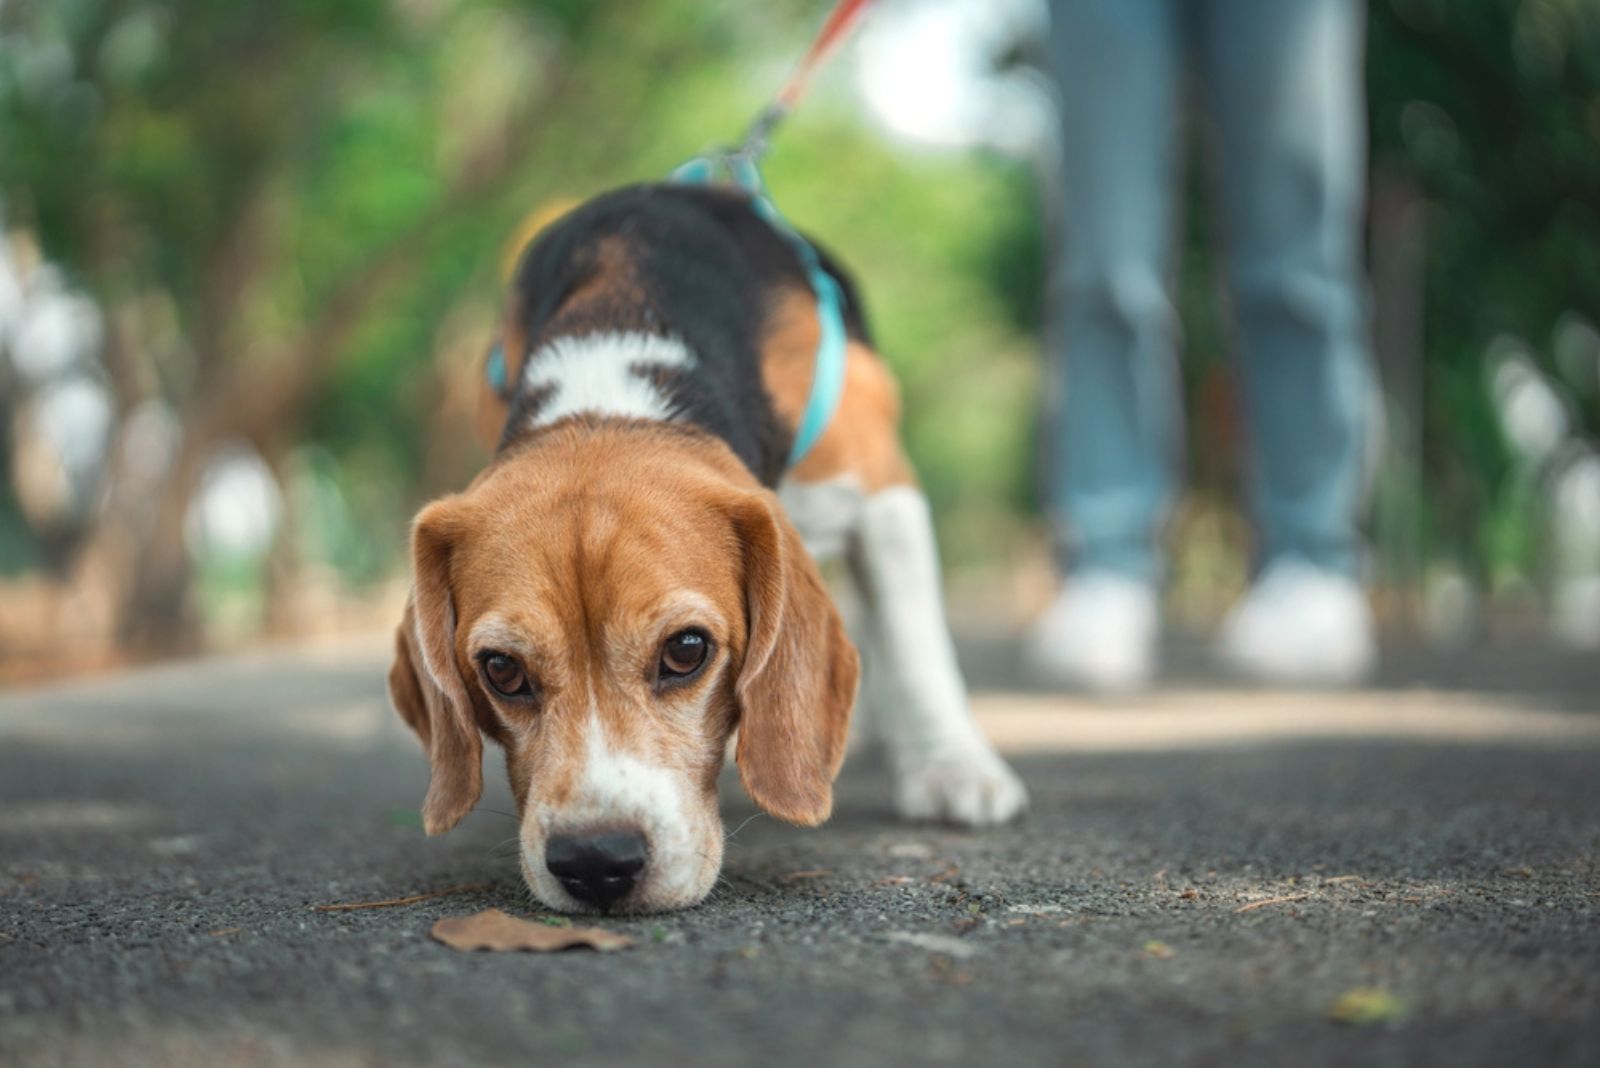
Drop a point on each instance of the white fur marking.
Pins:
(619, 789)
(944, 767)
(598, 373)
(901, 571)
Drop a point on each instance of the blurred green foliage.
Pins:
(320, 193)
(1493, 109)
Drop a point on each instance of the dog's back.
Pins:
(686, 265)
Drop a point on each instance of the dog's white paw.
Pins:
(971, 787)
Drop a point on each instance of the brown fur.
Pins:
(570, 544)
(863, 438)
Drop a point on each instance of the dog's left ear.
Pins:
(425, 682)
(798, 681)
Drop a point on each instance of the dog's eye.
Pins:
(683, 654)
(506, 675)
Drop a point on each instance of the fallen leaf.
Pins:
(810, 873)
(1366, 1005)
(1158, 949)
(1190, 894)
(494, 930)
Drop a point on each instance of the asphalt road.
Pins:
(164, 835)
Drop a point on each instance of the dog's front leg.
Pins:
(943, 766)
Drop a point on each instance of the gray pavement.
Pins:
(165, 833)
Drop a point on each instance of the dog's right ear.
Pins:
(425, 682)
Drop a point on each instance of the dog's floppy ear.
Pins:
(425, 682)
(798, 681)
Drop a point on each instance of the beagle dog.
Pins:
(632, 578)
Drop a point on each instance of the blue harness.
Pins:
(827, 378)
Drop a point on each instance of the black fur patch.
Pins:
(706, 270)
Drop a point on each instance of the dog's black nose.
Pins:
(598, 869)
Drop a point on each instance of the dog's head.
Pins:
(609, 605)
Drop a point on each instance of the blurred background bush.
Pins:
(253, 253)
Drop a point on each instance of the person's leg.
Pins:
(1111, 432)
(1284, 78)
(1109, 446)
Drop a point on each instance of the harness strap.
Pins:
(827, 376)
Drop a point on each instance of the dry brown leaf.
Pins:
(810, 873)
(495, 930)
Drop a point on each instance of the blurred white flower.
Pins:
(928, 71)
(56, 330)
(1575, 555)
(235, 510)
(60, 451)
(11, 295)
(74, 415)
(1531, 413)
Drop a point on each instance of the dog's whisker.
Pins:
(497, 812)
(730, 835)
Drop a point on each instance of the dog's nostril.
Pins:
(597, 868)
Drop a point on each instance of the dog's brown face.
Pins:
(609, 605)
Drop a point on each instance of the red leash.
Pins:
(840, 22)
(832, 33)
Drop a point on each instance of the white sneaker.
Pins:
(1300, 625)
(1098, 634)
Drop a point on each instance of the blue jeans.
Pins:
(1282, 79)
